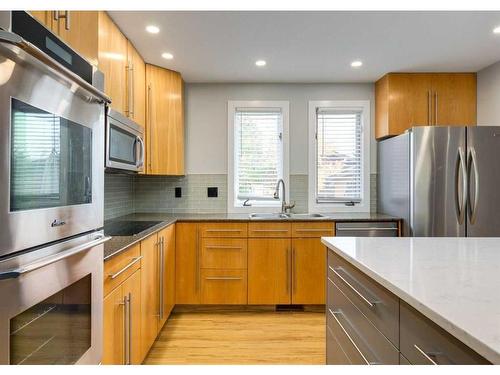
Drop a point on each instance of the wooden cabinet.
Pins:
(403, 100)
(77, 28)
(149, 292)
(269, 271)
(187, 264)
(164, 122)
(122, 328)
(166, 239)
(112, 55)
(308, 271)
(136, 86)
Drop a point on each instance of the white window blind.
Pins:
(339, 158)
(258, 152)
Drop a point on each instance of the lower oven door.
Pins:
(51, 311)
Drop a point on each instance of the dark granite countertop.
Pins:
(120, 243)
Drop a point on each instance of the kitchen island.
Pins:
(422, 300)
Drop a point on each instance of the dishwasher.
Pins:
(366, 229)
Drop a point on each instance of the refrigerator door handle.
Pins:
(460, 201)
(472, 163)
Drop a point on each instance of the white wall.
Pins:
(206, 118)
(488, 95)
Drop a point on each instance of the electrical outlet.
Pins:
(212, 192)
(178, 192)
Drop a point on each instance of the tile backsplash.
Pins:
(125, 194)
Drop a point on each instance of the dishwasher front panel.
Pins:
(366, 229)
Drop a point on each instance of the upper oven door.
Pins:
(51, 152)
(124, 143)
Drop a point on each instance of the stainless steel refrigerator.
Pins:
(442, 180)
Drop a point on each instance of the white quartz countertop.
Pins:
(455, 282)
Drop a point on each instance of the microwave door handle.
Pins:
(141, 160)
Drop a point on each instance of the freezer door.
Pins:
(437, 181)
(483, 161)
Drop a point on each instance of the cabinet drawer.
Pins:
(224, 287)
(334, 353)
(223, 230)
(424, 343)
(120, 267)
(357, 336)
(269, 229)
(316, 229)
(379, 305)
(224, 253)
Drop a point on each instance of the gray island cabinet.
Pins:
(369, 316)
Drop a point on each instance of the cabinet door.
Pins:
(149, 292)
(187, 264)
(167, 235)
(132, 291)
(165, 122)
(113, 339)
(47, 18)
(454, 99)
(409, 101)
(308, 271)
(269, 271)
(136, 89)
(80, 30)
(112, 54)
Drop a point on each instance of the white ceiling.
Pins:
(312, 46)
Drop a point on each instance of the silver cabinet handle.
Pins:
(429, 108)
(424, 354)
(16, 272)
(222, 278)
(364, 229)
(198, 272)
(161, 261)
(150, 127)
(56, 15)
(223, 248)
(67, 19)
(333, 314)
(128, 328)
(222, 230)
(270, 230)
(370, 304)
(134, 261)
(472, 162)
(460, 201)
(133, 89)
(294, 273)
(315, 230)
(127, 81)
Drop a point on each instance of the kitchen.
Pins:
(196, 202)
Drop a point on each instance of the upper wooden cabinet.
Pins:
(113, 62)
(403, 100)
(77, 28)
(164, 122)
(136, 86)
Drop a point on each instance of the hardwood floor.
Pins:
(240, 337)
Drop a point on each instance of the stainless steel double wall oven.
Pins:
(51, 198)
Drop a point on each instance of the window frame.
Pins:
(232, 105)
(364, 205)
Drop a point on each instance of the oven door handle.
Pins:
(16, 272)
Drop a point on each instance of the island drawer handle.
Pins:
(270, 230)
(222, 230)
(371, 304)
(134, 261)
(424, 354)
(333, 314)
(315, 230)
(223, 278)
(223, 247)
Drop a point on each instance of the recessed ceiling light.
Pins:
(496, 30)
(152, 29)
(356, 64)
(167, 55)
(260, 63)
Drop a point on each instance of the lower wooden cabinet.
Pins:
(269, 271)
(122, 328)
(224, 287)
(308, 271)
(187, 264)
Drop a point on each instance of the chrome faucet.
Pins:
(284, 206)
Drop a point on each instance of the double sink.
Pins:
(280, 216)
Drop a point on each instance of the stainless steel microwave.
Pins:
(124, 143)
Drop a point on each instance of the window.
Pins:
(257, 154)
(339, 151)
